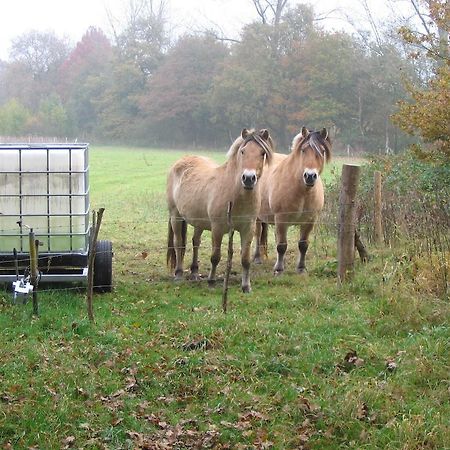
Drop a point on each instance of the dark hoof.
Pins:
(246, 289)
(257, 260)
(302, 271)
(277, 273)
(194, 277)
(178, 276)
(211, 283)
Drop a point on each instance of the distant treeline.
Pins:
(199, 90)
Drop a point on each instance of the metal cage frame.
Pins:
(66, 265)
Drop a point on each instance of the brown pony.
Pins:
(199, 191)
(292, 194)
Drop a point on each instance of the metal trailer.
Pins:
(45, 187)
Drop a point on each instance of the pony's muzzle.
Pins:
(310, 177)
(249, 179)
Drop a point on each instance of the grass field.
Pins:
(299, 363)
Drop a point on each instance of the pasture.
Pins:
(299, 363)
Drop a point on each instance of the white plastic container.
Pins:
(44, 187)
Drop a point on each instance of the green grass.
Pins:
(162, 363)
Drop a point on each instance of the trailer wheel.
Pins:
(103, 266)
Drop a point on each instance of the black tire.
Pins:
(103, 266)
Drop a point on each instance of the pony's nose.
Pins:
(249, 179)
(310, 177)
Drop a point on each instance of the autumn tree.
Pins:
(428, 35)
(119, 114)
(14, 118)
(142, 38)
(82, 79)
(52, 117)
(427, 114)
(254, 86)
(177, 98)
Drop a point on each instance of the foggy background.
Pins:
(177, 73)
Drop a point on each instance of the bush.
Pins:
(415, 210)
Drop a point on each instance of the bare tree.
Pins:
(39, 51)
(270, 11)
(142, 37)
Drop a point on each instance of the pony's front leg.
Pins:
(216, 236)
(196, 240)
(246, 243)
(281, 237)
(305, 230)
(258, 231)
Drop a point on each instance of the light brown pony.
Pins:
(199, 191)
(292, 194)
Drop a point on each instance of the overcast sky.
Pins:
(71, 18)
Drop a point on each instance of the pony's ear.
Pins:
(244, 133)
(264, 134)
(304, 133)
(327, 141)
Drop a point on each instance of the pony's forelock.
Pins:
(320, 145)
(267, 145)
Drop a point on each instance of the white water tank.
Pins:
(44, 187)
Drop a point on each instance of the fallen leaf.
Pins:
(362, 412)
(6, 398)
(252, 415)
(142, 255)
(352, 358)
(68, 442)
(116, 420)
(81, 392)
(391, 365)
(200, 344)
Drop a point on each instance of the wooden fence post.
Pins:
(96, 222)
(229, 259)
(377, 217)
(347, 216)
(34, 270)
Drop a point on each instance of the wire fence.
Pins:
(411, 229)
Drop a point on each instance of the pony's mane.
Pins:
(239, 141)
(315, 141)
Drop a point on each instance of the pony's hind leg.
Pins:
(246, 243)
(261, 230)
(196, 240)
(258, 231)
(281, 237)
(305, 230)
(216, 236)
(179, 243)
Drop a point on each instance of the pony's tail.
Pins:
(263, 238)
(171, 255)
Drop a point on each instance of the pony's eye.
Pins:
(242, 151)
(263, 153)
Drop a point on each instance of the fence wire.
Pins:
(421, 233)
